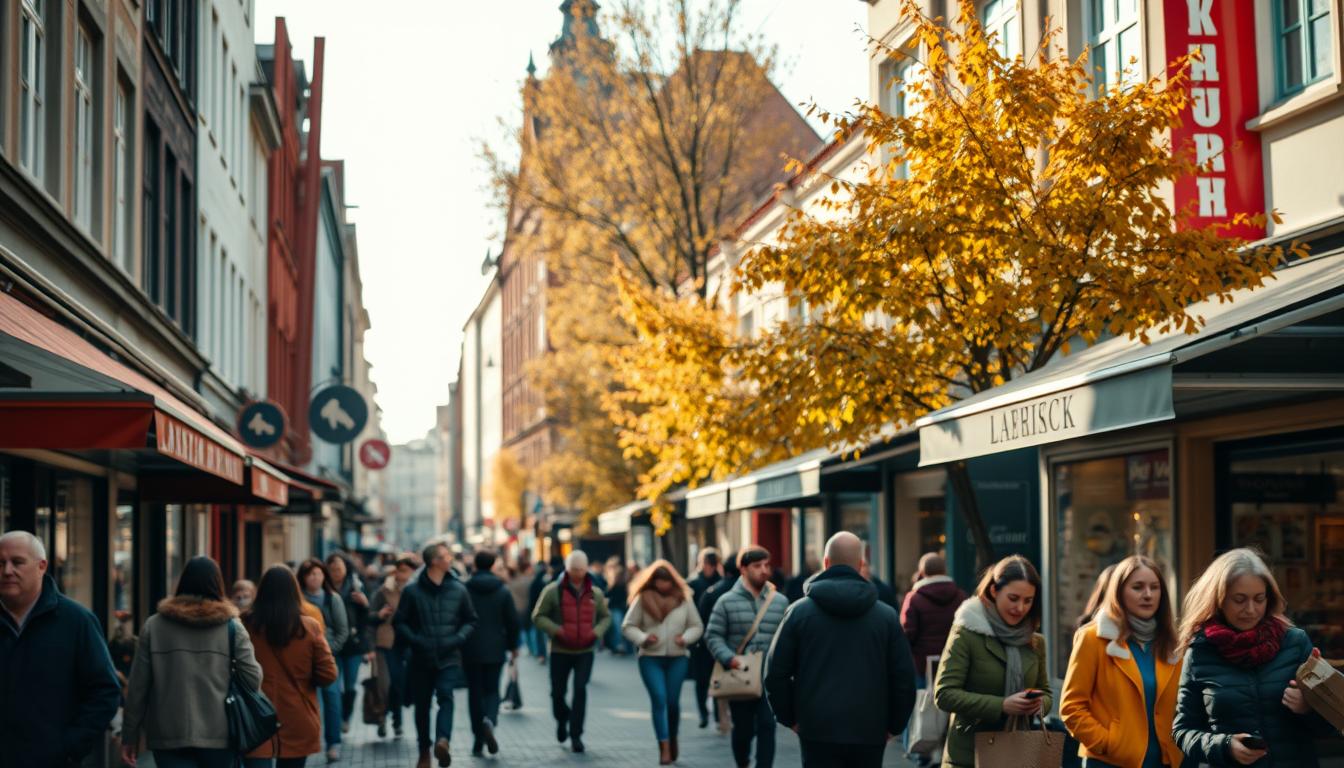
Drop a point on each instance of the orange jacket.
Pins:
(1102, 703)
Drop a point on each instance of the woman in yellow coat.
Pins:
(1119, 696)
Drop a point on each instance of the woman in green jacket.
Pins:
(993, 664)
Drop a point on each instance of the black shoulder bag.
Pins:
(252, 718)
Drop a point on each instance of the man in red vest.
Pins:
(573, 613)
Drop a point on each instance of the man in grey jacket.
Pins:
(729, 623)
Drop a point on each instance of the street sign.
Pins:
(375, 453)
(338, 414)
(261, 424)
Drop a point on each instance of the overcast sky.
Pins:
(411, 90)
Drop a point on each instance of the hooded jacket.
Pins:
(970, 680)
(180, 675)
(496, 630)
(839, 667)
(435, 620)
(58, 689)
(926, 616)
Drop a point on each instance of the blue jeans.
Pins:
(536, 642)
(428, 683)
(348, 667)
(195, 758)
(395, 660)
(329, 701)
(663, 676)
(616, 641)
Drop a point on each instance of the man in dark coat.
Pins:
(495, 637)
(928, 611)
(58, 688)
(706, 606)
(434, 618)
(702, 664)
(839, 671)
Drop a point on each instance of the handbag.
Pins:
(512, 693)
(928, 723)
(744, 682)
(1020, 746)
(251, 716)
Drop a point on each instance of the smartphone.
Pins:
(1035, 694)
(1254, 742)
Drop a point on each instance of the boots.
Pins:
(664, 753)
(423, 762)
(672, 748)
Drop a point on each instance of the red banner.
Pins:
(181, 442)
(1224, 95)
(271, 487)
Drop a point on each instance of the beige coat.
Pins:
(683, 620)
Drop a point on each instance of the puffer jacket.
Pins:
(435, 620)
(496, 630)
(732, 617)
(180, 675)
(1218, 699)
(970, 681)
(926, 616)
(574, 623)
(683, 620)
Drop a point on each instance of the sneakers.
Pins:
(442, 754)
(488, 736)
(577, 744)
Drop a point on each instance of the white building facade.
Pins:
(480, 386)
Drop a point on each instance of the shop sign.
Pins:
(179, 441)
(1224, 95)
(1259, 487)
(338, 414)
(268, 487)
(261, 424)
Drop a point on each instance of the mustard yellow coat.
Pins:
(1102, 703)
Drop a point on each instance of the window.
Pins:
(221, 114)
(895, 99)
(1000, 18)
(85, 117)
(32, 81)
(153, 232)
(170, 253)
(1113, 30)
(1304, 45)
(213, 74)
(121, 179)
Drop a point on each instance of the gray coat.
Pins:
(180, 675)
(334, 619)
(733, 616)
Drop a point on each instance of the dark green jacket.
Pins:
(1218, 699)
(970, 681)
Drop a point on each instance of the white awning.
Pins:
(707, 500)
(618, 520)
(796, 478)
(1122, 383)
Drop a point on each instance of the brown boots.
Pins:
(423, 762)
(672, 747)
(664, 753)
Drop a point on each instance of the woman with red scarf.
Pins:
(1238, 702)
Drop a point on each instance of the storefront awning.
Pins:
(265, 486)
(306, 491)
(1122, 383)
(617, 520)
(707, 500)
(60, 392)
(789, 480)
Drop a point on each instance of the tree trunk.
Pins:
(969, 505)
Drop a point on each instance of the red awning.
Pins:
(121, 409)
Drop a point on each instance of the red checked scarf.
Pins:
(1248, 649)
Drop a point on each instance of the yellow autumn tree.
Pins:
(1014, 212)
(507, 485)
(645, 145)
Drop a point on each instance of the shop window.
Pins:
(933, 525)
(64, 521)
(1287, 500)
(814, 534)
(855, 515)
(1303, 43)
(123, 559)
(1106, 510)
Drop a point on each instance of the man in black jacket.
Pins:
(702, 664)
(839, 671)
(58, 689)
(495, 637)
(434, 618)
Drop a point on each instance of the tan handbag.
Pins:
(744, 683)
(1020, 746)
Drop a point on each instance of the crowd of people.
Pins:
(828, 654)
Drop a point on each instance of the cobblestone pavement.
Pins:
(618, 731)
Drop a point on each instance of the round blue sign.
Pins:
(261, 424)
(338, 414)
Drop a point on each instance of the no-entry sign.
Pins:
(375, 453)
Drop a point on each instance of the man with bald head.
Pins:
(61, 690)
(573, 612)
(839, 671)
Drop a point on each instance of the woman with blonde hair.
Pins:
(1238, 702)
(662, 623)
(993, 665)
(1119, 695)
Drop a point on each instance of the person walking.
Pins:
(729, 622)
(618, 594)
(839, 671)
(520, 587)
(349, 585)
(993, 665)
(794, 590)
(295, 662)
(434, 618)
(242, 593)
(180, 676)
(61, 687)
(663, 623)
(708, 573)
(573, 614)
(546, 573)
(494, 639)
(926, 616)
(320, 594)
(706, 606)
(1238, 702)
(392, 656)
(1132, 639)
